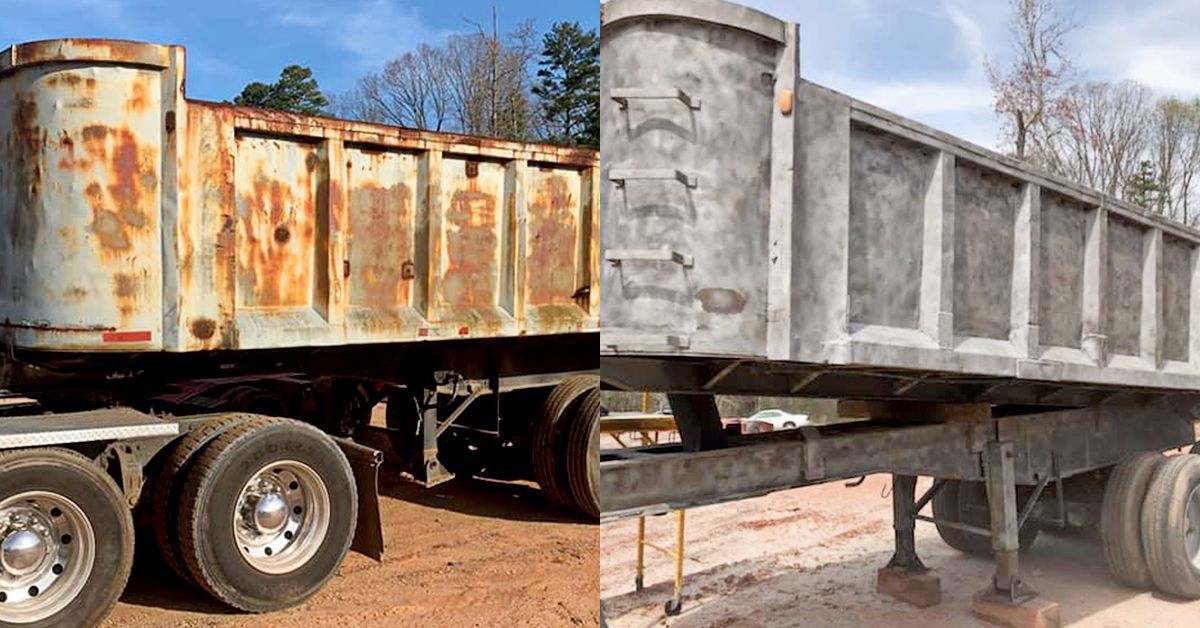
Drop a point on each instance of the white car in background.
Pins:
(779, 420)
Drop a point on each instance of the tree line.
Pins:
(513, 86)
(1113, 136)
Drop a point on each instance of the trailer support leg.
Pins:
(905, 577)
(1008, 601)
(698, 421)
(433, 473)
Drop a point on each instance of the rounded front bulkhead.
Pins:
(82, 132)
(687, 93)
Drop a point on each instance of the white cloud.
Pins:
(374, 31)
(1154, 43)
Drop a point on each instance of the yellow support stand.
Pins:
(675, 604)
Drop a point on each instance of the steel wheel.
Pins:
(281, 517)
(46, 555)
(66, 540)
(1191, 536)
(267, 514)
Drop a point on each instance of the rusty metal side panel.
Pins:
(80, 187)
(556, 298)
(472, 238)
(207, 231)
(276, 217)
(282, 242)
(381, 262)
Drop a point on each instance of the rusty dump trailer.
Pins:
(763, 235)
(200, 304)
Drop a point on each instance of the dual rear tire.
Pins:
(1150, 526)
(261, 511)
(566, 445)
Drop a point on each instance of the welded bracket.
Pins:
(617, 256)
(620, 176)
(622, 96)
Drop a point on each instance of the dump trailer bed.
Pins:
(763, 235)
(795, 240)
(136, 220)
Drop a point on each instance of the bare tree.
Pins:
(1175, 156)
(1099, 135)
(476, 83)
(1032, 87)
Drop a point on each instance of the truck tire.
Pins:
(1171, 527)
(548, 437)
(966, 502)
(267, 514)
(67, 532)
(945, 508)
(583, 455)
(167, 486)
(1121, 519)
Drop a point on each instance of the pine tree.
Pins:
(569, 86)
(296, 91)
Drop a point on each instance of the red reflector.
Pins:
(424, 331)
(462, 331)
(126, 336)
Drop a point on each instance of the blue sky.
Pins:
(924, 58)
(233, 42)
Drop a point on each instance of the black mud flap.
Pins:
(368, 532)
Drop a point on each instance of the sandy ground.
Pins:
(807, 557)
(466, 553)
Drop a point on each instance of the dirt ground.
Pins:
(807, 557)
(466, 553)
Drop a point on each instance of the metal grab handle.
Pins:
(616, 256)
(621, 176)
(622, 95)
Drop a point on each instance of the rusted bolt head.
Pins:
(282, 235)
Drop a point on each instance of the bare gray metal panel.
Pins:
(826, 231)
(666, 111)
(78, 427)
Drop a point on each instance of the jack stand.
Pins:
(431, 472)
(1008, 601)
(674, 605)
(905, 577)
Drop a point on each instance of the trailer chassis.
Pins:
(1033, 450)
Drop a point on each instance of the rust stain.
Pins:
(721, 300)
(140, 100)
(275, 254)
(553, 239)
(75, 294)
(125, 285)
(381, 232)
(471, 245)
(125, 206)
(203, 328)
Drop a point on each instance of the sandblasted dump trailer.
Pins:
(202, 303)
(1006, 331)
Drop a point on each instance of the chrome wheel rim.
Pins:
(47, 552)
(1191, 536)
(281, 517)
